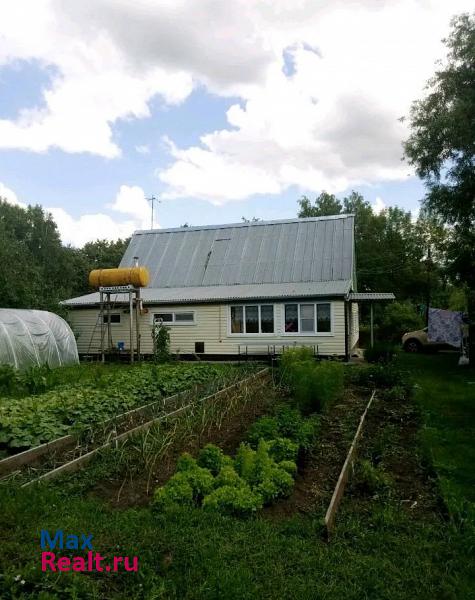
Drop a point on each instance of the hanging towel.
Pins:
(445, 326)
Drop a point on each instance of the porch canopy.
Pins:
(371, 297)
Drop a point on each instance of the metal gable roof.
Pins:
(224, 293)
(288, 251)
(264, 259)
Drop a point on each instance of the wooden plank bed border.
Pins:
(77, 463)
(9, 464)
(344, 474)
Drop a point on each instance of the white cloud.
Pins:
(379, 205)
(10, 196)
(89, 227)
(330, 121)
(130, 200)
(77, 231)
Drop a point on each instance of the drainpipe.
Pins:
(347, 349)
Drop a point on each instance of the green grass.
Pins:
(446, 394)
(379, 550)
(192, 554)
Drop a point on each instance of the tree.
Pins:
(36, 270)
(325, 205)
(441, 147)
(388, 251)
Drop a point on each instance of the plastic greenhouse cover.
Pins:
(35, 337)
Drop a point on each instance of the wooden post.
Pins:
(137, 321)
(109, 330)
(101, 316)
(371, 321)
(131, 325)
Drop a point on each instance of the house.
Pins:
(246, 288)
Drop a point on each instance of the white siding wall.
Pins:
(211, 327)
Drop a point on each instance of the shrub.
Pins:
(245, 461)
(289, 466)
(265, 428)
(211, 457)
(317, 387)
(177, 492)
(228, 477)
(201, 481)
(233, 500)
(289, 422)
(161, 343)
(283, 449)
(398, 318)
(186, 462)
(8, 380)
(275, 483)
(381, 352)
(309, 431)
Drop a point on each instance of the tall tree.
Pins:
(388, 251)
(441, 146)
(324, 206)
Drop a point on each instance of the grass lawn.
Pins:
(381, 549)
(446, 394)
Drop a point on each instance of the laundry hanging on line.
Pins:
(445, 326)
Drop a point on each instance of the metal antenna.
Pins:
(152, 199)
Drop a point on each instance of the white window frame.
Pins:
(315, 333)
(105, 316)
(260, 333)
(174, 322)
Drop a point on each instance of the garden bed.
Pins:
(129, 485)
(319, 470)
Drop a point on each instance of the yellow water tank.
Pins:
(136, 276)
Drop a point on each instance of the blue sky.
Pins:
(238, 120)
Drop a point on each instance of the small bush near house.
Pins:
(398, 318)
(161, 343)
(381, 352)
(317, 387)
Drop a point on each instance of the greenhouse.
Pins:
(35, 337)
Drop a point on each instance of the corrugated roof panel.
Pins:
(362, 296)
(293, 250)
(225, 293)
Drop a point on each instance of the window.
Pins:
(185, 317)
(252, 319)
(237, 319)
(308, 318)
(164, 317)
(175, 318)
(324, 320)
(115, 318)
(291, 318)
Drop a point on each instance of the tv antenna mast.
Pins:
(152, 200)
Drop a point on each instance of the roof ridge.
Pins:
(244, 224)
